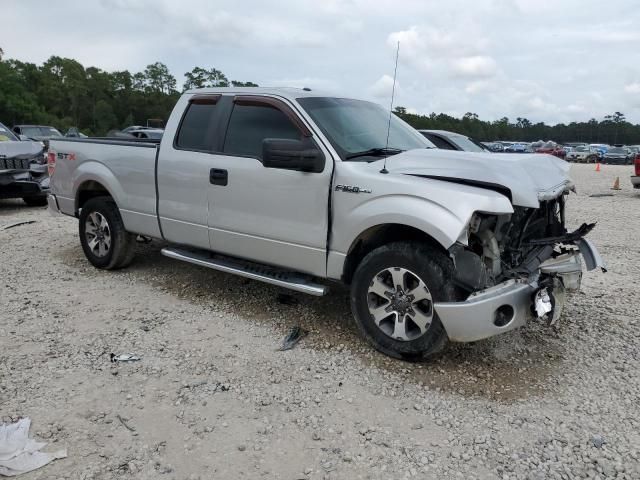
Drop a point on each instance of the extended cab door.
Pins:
(183, 167)
(269, 215)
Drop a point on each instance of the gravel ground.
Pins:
(212, 398)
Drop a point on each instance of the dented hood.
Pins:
(526, 178)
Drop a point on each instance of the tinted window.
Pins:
(249, 125)
(197, 129)
(440, 142)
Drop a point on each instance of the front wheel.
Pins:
(392, 298)
(104, 240)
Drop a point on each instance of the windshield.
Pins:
(582, 148)
(6, 135)
(40, 132)
(617, 150)
(467, 144)
(354, 126)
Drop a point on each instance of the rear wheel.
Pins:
(105, 242)
(40, 201)
(392, 298)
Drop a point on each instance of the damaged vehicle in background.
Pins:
(299, 189)
(23, 171)
(37, 133)
(453, 141)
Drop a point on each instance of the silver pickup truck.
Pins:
(300, 189)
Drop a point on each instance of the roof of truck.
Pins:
(287, 92)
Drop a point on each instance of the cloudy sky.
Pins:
(546, 60)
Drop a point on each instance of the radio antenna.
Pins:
(393, 92)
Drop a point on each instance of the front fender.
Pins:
(444, 221)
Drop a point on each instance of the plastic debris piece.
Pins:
(542, 303)
(20, 454)
(596, 195)
(291, 340)
(17, 224)
(125, 357)
(125, 424)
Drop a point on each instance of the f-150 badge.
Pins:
(352, 189)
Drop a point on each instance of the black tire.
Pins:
(122, 247)
(428, 263)
(40, 201)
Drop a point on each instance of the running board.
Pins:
(254, 271)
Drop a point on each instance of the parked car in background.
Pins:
(600, 149)
(494, 146)
(453, 141)
(583, 154)
(147, 133)
(552, 148)
(132, 128)
(633, 150)
(23, 171)
(618, 156)
(518, 147)
(39, 133)
(74, 132)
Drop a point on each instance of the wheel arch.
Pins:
(379, 235)
(87, 190)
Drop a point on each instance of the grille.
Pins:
(15, 163)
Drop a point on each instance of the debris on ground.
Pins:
(597, 441)
(291, 340)
(17, 224)
(287, 299)
(125, 424)
(21, 454)
(595, 195)
(124, 357)
(143, 239)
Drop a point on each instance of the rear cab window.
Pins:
(197, 130)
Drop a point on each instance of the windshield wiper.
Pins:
(375, 152)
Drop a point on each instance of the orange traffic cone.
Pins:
(616, 184)
(598, 167)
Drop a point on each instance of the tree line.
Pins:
(63, 93)
(612, 129)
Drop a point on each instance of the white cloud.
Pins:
(383, 87)
(475, 66)
(632, 88)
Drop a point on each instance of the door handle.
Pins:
(218, 176)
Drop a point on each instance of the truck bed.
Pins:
(126, 168)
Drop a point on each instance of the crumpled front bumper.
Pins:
(508, 305)
(23, 183)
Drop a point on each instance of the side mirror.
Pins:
(300, 155)
(24, 138)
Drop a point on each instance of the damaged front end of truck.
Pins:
(516, 267)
